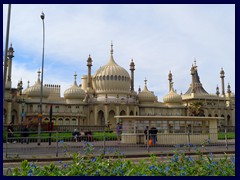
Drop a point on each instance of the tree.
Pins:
(196, 109)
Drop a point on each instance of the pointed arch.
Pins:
(122, 113)
(131, 113)
(111, 118)
(228, 120)
(101, 118)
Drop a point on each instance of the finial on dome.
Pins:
(28, 83)
(75, 78)
(111, 48)
(228, 88)
(170, 76)
(39, 72)
(195, 62)
(145, 81)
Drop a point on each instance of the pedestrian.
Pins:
(25, 134)
(153, 134)
(119, 131)
(10, 133)
(146, 132)
(76, 135)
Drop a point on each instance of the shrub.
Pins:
(179, 164)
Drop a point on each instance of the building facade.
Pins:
(110, 92)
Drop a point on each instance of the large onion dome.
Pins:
(35, 90)
(111, 78)
(74, 92)
(146, 96)
(172, 97)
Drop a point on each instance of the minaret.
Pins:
(89, 64)
(217, 91)
(170, 80)
(10, 56)
(222, 77)
(132, 68)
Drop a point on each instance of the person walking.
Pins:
(119, 132)
(10, 131)
(146, 132)
(25, 134)
(153, 134)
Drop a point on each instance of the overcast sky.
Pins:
(159, 38)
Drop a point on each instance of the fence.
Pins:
(58, 143)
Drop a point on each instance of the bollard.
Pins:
(226, 140)
(148, 141)
(104, 142)
(57, 143)
(189, 141)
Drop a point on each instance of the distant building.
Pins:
(110, 92)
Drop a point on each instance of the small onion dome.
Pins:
(145, 95)
(229, 92)
(74, 92)
(35, 90)
(172, 97)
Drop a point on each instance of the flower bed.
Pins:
(180, 164)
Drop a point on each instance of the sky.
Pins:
(159, 38)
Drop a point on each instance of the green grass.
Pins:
(230, 135)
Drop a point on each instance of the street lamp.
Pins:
(40, 114)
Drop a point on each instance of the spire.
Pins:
(28, 83)
(217, 90)
(132, 65)
(171, 86)
(139, 89)
(170, 79)
(145, 82)
(229, 88)
(222, 77)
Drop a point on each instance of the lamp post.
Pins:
(5, 57)
(40, 114)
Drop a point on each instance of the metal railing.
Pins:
(63, 142)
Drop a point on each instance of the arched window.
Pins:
(111, 77)
(107, 77)
(60, 121)
(67, 122)
(104, 77)
(119, 78)
(115, 78)
(74, 122)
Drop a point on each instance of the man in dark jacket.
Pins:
(153, 134)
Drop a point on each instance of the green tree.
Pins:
(196, 109)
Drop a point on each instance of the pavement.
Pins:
(45, 152)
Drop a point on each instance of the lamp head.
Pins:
(42, 16)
